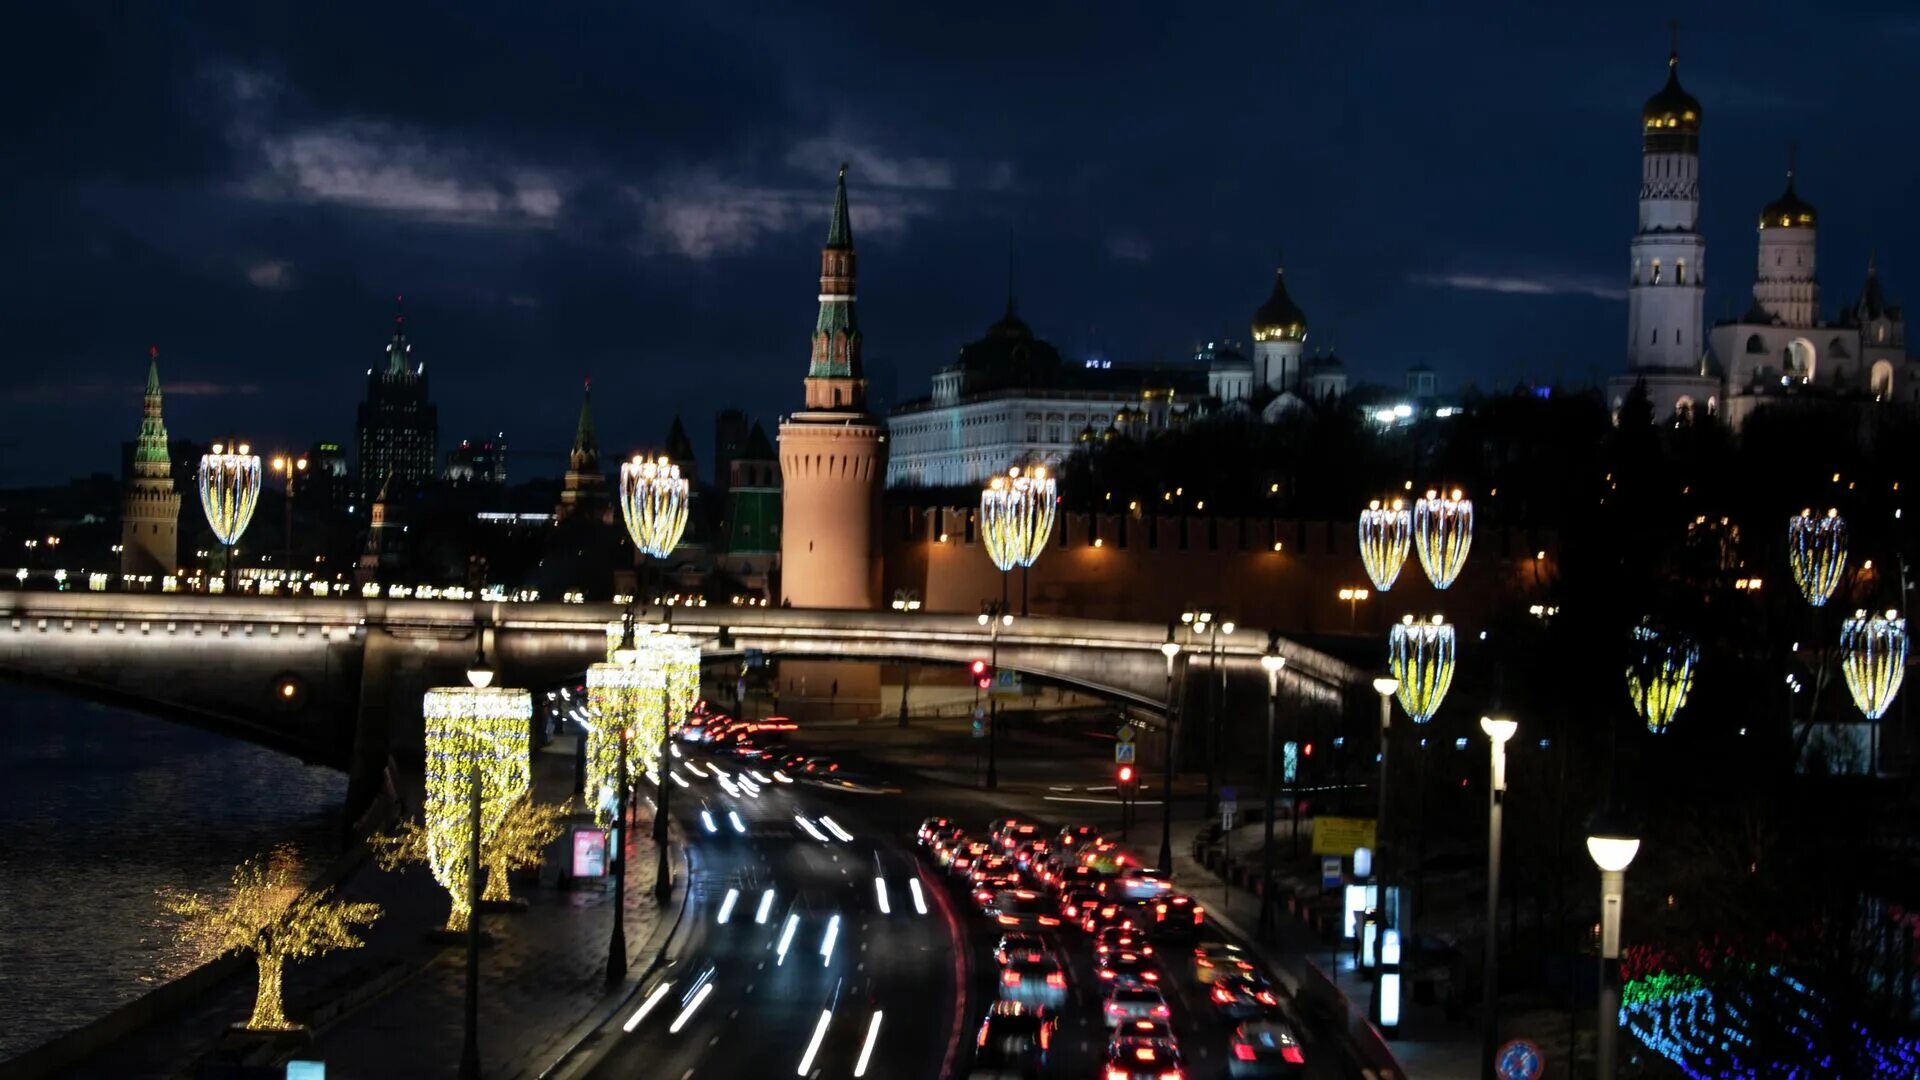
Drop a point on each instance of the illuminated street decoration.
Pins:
(1729, 1026)
(1016, 516)
(1817, 551)
(1420, 654)
(620, 696)
(654, 501)
(229, 490)
(1442, 534)
(1659, 675)
(1873, 653)
(270, 914)
(465, 725)
(1386, 535)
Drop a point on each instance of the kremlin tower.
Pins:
(150, 510)
(833, 453)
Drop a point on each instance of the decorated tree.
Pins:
(271, 915)
(518, 842)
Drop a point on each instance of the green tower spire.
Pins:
(150, 456)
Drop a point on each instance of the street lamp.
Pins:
(1387, 904)
(1169, 649)
(654, 502)
(1612, 854)
(229, 491)
(1443, 534)
(1272, 662)
(905, 600)
(1353, 598)
(1201, 622)
(993, 616)
(289, 466)
(1016, 520)
(1498, 732)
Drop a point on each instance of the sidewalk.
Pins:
(396, 1006)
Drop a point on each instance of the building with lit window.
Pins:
(398, 430)
(479, 461)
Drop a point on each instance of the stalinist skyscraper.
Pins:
(150, 509)
(833, 453)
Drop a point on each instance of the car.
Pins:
(1121, 937)
(1123, 967)
(1141, 1028)
(1073, 875)
(1137, 883)
(929, 826)
(1076, 902)
(1073, 836)
(1017, 943)
(999, 823)
(1143, 1059)
(1243, 994)
(1013, 1042)
(1265, 1048)
(989, 865)
(820, 766)
(1013, 834)
(1034, 980)
(1030, 852)
(1105, 914)
(1125, 1004)
(1175, 915)
(964, 855)
(942, 846)
(1104, 857)
(1217, 958)
(1020, 907)
(991, 886)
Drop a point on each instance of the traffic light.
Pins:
(1124, 775)
(1307, 750)
(982, 677)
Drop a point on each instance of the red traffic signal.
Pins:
(1306, 750)
(1126, 774)
(981, 677)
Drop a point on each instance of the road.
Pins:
(728, 1005)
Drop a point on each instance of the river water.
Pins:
(100, 809)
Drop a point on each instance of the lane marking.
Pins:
(866, 1052)
(880, 888)
(786, 938)
(646, 1007)
(826, 943)
(819, 1033)
(766, 904)
(726, 906)
(919, 900)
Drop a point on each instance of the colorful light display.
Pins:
(1386, 535)
(1420, 655)
(1873, 654)
(1442, 534)
(270, 914)
(229, 490)
(467, 726)
(1659, 675)
(1016, 516)
(621, 696)
(1817, 552)
(654, 501)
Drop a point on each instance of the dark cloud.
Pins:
(637, 192)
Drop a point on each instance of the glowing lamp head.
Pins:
(1169, 648)
(1613, 854)
(1273, 663)
(1386, 687)
(1498, 730)
(480, 677)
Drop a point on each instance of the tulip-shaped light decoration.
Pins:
(653, 499)
(1817, 552)
(1386, 535)
(1873, 653)
(229, 489)
(1016, 516)
(1420, 655)
(1659, 675)
(1442, 534)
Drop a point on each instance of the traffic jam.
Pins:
(1088, 941)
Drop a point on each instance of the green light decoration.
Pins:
(1386, 535)
(1420, 654)
(654, 501)
(1817, 553)
(1016, 516)
(1659, 675)
(229, 490)
(1873, 654)
(1443, 534)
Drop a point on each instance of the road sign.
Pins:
(1123, 753)
(1229, 807)
(1006, 683)
(1125, 734)
(755, 657)
(1341, 835)
(1519, 1060)
(1330, 872)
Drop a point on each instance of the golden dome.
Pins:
(1671, 118)
(1279, 318)
(1789, 211)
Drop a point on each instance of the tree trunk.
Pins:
(268, 1014)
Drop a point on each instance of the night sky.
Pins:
(638, 194)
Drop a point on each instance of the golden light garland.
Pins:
(1443, 534)
(1659, 675)
(1420, 654)
(1386, 535)
(270, 914)
(229, 490)
(1873, 654)
(520, 842)
(1016, 516)
(465, 726)
(621, 696)
(654, 501)
(1817, 553)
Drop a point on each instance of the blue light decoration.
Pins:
(1765, 1024)
(1290, 767)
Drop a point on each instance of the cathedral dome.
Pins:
(1279, 318)
(1671, 118)
(1789, 211)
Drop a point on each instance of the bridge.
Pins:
(338, 681)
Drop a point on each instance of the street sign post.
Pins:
(1342, 835)
(1330, 873)
(1006, 683)
(1519, 1060)
(1123, 753)
(755, 657)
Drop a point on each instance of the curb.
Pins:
(590, 1027)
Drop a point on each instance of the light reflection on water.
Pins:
(101, 808)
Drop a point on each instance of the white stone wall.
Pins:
(1667, 277)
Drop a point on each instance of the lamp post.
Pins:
(1387, 902)
(479, 676)
(1169, 649)
(289, 465)
(1016, 520)
(1612, 854)
(626, 653)
(993, 616)
(1498, 732)
(1197, 623)
(1271, 662)
(654, 502)
(229, 491)
(904, 602)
